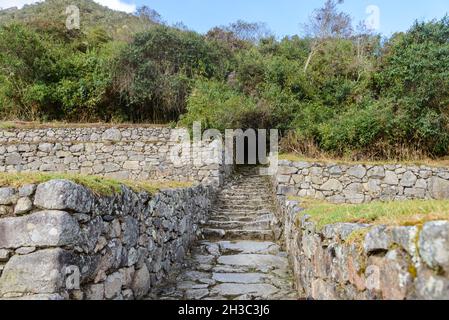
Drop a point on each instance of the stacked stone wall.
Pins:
(120, 153)
(59, 240)
(347, 261)
(359, 183)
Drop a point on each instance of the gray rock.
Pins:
(391, 178)
(130, 229)
(45, 147)
(141, 282)
(196, 294)
(434, 244)
(432, 287)
(358, 171)
(249, 247)
(95, 292)
(41, 229)
(4, 255)
(322, 291)
(378, 238)
(254, 260)
(341, 230)
(25, 250)
(27, 190)
(283, 170)
(13, 159)
(112, 134)
(113, 286)
(335, 171)
(8, 196)
(42, 297)
(63, 195)
(439, 188)
(332, 185)
(235, 289)
(23, 205)
(395, 278)
(239, 277)
(407, 238)
(376, 172)
(41, 272)
(408, 179)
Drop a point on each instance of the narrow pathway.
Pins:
(238, 259)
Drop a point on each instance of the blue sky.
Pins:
(282, 16)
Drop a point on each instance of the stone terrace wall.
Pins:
(121, 245)
(125, 153)
(392, 263)
(361, 183)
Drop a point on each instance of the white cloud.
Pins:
(119, 5)
(4, 4)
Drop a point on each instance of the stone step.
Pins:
(244, 218)
(247, 213)
(240, 225)
(220, 234)
(256, 202)
(243, 207)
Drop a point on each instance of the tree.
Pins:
(325, 23)
(148, 14)
(249, 31)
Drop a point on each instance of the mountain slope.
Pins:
(92, 16)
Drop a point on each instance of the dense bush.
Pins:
(335, 90)
(156, 71)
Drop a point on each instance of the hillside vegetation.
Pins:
(93, 16)
(336, 89)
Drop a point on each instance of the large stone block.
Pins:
(41, 272)
(112, 134)
(439, 188)
(358, 171)
(332, 185)
(395, 278)
(41, 229)
(8, 196)
(63, 195)
(141, 282)
(378, 239)
(434, 244)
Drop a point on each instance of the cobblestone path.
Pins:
(239, 258)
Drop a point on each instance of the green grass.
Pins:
(404, 213)
(99, 185)
(443, 162)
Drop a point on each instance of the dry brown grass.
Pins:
(5, 125)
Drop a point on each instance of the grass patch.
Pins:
(443, 162)
(403, 213)
(99, 185)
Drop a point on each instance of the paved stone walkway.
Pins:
(238, 259)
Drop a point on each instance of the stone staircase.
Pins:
(238, 258)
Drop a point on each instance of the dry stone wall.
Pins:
(59, 240)
(340, 183)
(383, 262)
(121, 153)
